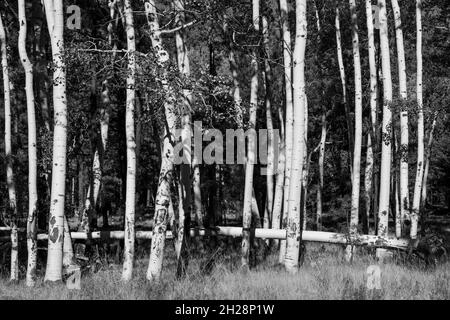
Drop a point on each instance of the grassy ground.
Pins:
(323, 275)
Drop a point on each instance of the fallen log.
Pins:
(309, 236)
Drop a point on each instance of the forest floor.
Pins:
(323, 275)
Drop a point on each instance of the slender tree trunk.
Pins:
(305, 170)
(251, 149)
(269, 123)
(344, 85)
(32, 152)
(12, 207)
(130, 201)
(420, 125)
(368, 175)
(197, 190)
(289, 114)
(404, 130)
(354, 215)
(383, 213)
(299, 98)
(427, 161)
(279, 184)
(162, 200)
(323, 139)
(55, 20)
(185, 174)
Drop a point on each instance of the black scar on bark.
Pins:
(54, 235)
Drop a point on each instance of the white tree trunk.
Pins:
(404, 130)
(130, 200)
(268, 211)
(323, 139)
(354, 214)
(368, 175)
(251, 149)
(420, 125)
(288, 136)
(299, 99)
(427, 161)
(305, 168)
(343, 82)
(55, 20)
(385, 174)
(162, 200)
(32, 152)
(12, 208)
(279, 184)
(185, 170)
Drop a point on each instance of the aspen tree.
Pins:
(420, 126)
(130, 201)
(427, 161)
(299, 99)
(32, 152)
(55, 20)
(343, 82)
(269, 124)
(162, 200)
(385, 174)
(354, 214)
(368, 174)
(8, 154)
(289, 111)
(305, 169)
(185, 174)
(323, 138)
(404, 135)
(251, 148)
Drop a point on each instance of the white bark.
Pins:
(162, 200)
(32, 152)
(299, 98)
(309, 236)
(343, 82)
(385, 174)
(368, 175)
(185, 174)
(404, 134)
(251, 149)
(323, 139)
(427, 161)
(12, 207)
(268, 211)
(354, 214)
(289, 113)
(279, 184)
(130, 200)
(420, 125)
(305, 169)
(55, 20)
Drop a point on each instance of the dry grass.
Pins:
(324, 275)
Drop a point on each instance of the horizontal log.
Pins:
(309, 236)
